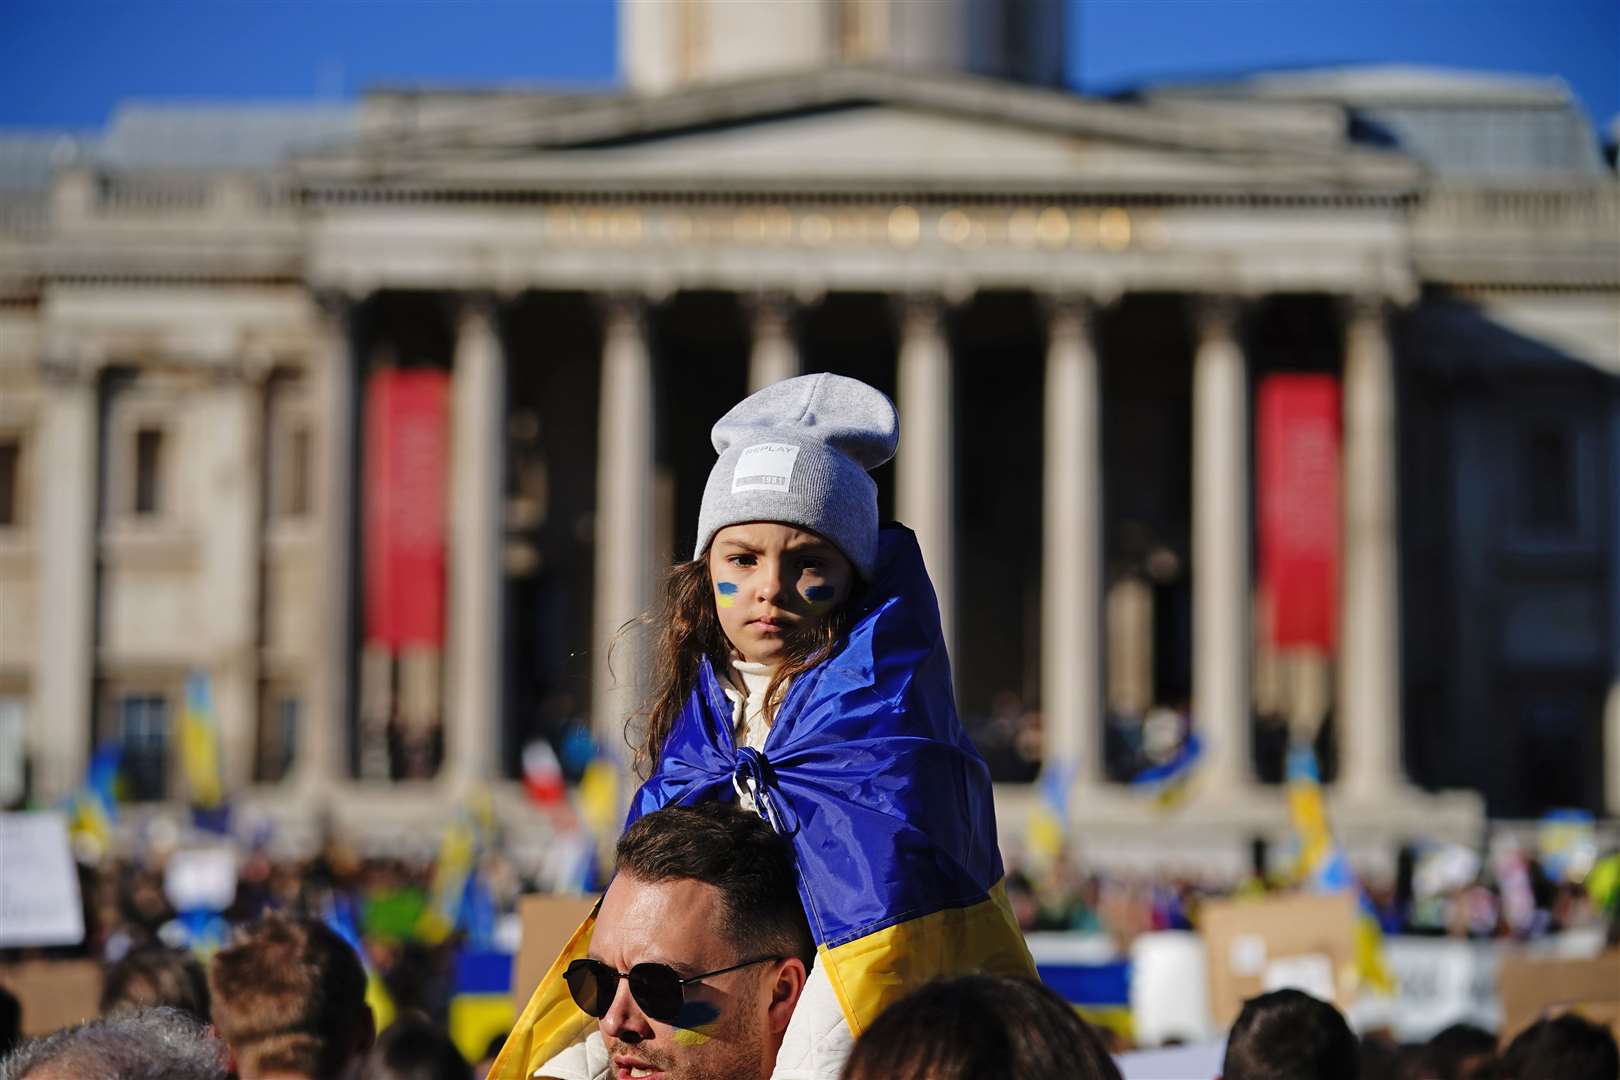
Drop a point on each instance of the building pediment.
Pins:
(867, 128)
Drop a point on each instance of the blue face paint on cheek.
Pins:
(726, 594)
(820, 595)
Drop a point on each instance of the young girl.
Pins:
(801, 671)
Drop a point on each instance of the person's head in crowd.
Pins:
(980, 1027)
(1460, 1052)
(1289, 1035)
(1382, 1058)
(136, 1044)
(10, 1021)
(289, 997)
(1567, 1047)
(413, 1048)
(155, 975)
(700, 948)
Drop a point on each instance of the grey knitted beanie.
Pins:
(798, 452)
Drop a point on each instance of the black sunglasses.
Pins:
(658, 988)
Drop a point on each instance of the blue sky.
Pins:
(66, 63)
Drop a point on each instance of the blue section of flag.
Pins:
(866, 768)
(1089, 984)
(1178, 767)
(477, 917)
(483, 971)
(101, 778)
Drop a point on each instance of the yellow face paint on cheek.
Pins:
(726, 594)
(691, 1037)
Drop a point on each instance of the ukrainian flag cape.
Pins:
(888, 806)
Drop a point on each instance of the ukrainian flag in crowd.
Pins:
(199, 744)
(888, 805)
(1323, 866)
(1169, 781)
(94, 807)
(1047, 832)
(481, 1003)
(341, 916)
(455, 869)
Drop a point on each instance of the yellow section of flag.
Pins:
(871, 972)
(199, 744)
(551, 1022)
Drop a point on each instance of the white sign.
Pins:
(1438, 982)
(1170, 988)
(39, 885)
(764, 467)
(1310, 973)
(201, 879)
(1200, 1061)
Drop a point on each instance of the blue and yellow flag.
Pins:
(93, 809)
(1322, 865)
(461, 845)
(868, 772)
(199, 744)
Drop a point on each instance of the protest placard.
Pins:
(1536, 986)
(1304, 942)
(53, 993)
(39, 885)
(548, 922)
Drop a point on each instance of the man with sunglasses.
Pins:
(698, 956)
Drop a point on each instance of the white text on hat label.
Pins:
(764, 467)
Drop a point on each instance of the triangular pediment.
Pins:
(863, 128)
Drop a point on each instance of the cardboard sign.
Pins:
(548, 922)
(39, 885)
(1532, 987)
(54, 993)
(1305, 942)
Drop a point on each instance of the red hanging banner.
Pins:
(1297, 437)
(407, 443)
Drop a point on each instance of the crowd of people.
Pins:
(1526, 899)
(809, 884)
(711, 892)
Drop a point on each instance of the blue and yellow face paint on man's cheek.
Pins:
(694, 1017)
(726, 594)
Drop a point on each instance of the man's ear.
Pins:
(786, 986)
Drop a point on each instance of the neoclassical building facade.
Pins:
(475, 340)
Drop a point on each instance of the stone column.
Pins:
(925, 476)
(477, 479)
(323, 739)
(232, 555)
(66, 552)
(624, 515)
(775, 353)
(1220, 568)
(1369, 697)
(1071, 546)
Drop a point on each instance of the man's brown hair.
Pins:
(738, 854)
(289, 995)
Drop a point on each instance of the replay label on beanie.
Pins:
(764, 467)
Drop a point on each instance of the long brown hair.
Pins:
(688, 629)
